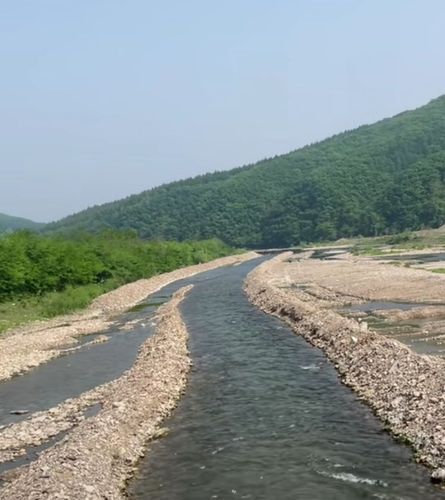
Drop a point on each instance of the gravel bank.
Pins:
(406, 390)
(97, 457)
(365, 279)
(27, 347)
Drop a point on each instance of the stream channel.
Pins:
(264, 415)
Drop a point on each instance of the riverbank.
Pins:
(98, 456)
(27, 347)
(406, 390)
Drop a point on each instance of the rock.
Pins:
(438, 476)
(19, 412)
(160, 433)
(119, 405)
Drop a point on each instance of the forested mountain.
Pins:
(9, 223)
(380, 178)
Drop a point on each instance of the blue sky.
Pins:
(100, 99)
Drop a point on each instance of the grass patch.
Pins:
(381, 245)
(47, 306)
(367, 250)
(401, 238)
(397, 243)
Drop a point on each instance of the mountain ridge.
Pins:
(12, 223)
(345, 185)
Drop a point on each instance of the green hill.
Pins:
(9, 223)
(380, 178)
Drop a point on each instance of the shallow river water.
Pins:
(266, 418)
(68, 376)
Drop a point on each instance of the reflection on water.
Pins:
(266, 418)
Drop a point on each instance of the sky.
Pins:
(100, 99)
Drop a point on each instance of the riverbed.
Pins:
(265, 416)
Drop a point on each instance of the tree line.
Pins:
(34, 265)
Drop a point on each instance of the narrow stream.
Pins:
(68, 376)
(266, 418)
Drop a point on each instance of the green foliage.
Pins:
(404, 237)
(71, 299)
(375, 180)
(366, 250)
(84, 266)
(32, 307)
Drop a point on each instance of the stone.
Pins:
(438, 476)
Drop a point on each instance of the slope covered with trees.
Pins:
(9, 223)
(377, 179)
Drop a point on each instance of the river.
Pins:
(265, 416)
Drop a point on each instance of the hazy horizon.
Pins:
(103, 100)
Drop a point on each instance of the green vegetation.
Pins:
(9, 223)
(375, 180)
(43, 276)
(30, 308)
(397, 243)
(402, 238)
(367, 249)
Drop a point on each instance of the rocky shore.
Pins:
(406, 390)
(99, 455)
(27, 347)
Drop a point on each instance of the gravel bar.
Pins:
(405, 390)
(99, 455)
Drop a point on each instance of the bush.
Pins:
(396, 239)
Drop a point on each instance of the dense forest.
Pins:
(8, 223)
(377, 179)
(75, 270)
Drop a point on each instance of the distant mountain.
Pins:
(377, 179)
(10, 223)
